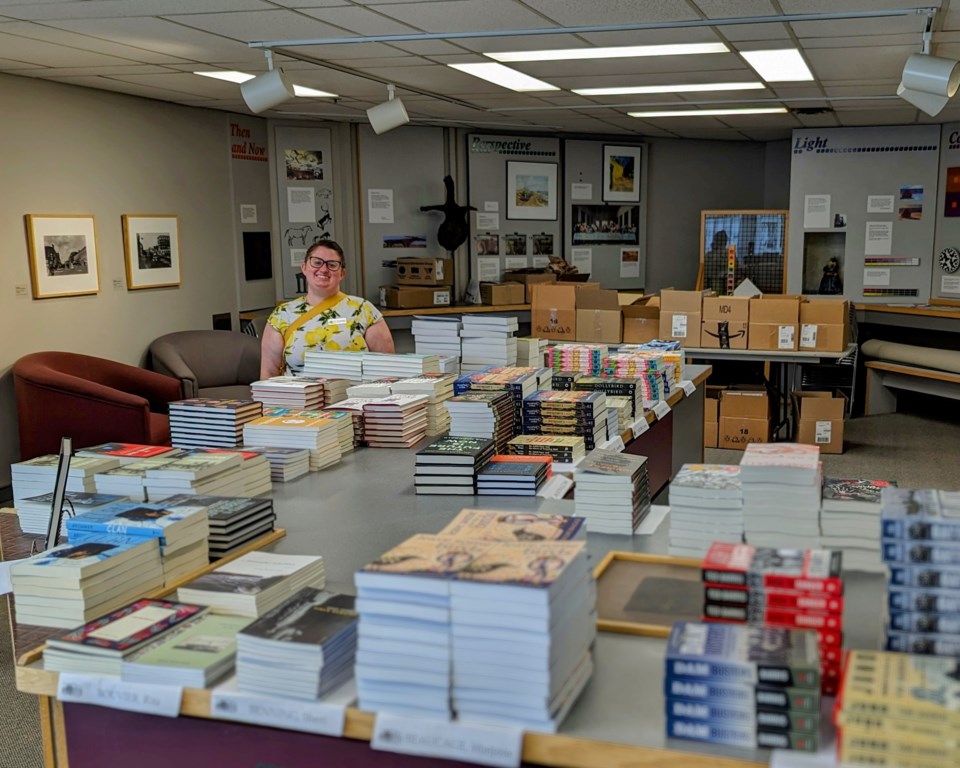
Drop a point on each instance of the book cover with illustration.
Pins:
(920, 515)
(503, 525)
(134, 519)
(696, 480)
(312, 616)
(78, 561)
(525, 564)
(425, 555)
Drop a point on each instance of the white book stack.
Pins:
(438, 388)
(612, 491)
(334, 390)
(37, 476)
(317, 434)
(781, 495)
(129, 479)
(530, 352)
(850, 521)
(211, 422)
(344, 423)
(619, 414)
(449, 364)
(437, 335)
(397, 421)
(353, 406)
(127, 453)
(286, 464)
(377, 388)
(213, 474)
(380, 365)
(34, 513)
(324, 364)
(289, 392)
(488, 340)
(255, 472)
(706, 505)
(523, 618)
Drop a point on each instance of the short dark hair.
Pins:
(333, 245)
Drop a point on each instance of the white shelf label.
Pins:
(824, 432)
(640, 426)
(661, 409)
(678, 328)
(613, 444)
(808, 335)
(163, 700)
(307, 716)
(785, 339)
(441, 298)
(688, 387)
(482, 744)
(555, 488)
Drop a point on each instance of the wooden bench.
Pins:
(885, 378)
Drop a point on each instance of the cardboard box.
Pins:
(824, 325)
(417, 271)
(774, 323)
(819, 419)
(711, 415)
(554, 311)
(528, 280)
(725, 322)
(502, 293)
(626, 298)
(747, 403)
(681, 315)
(641, 323)
(711, 434)
(737, 432)
(408, 297)
(598, 316)
(682, 301)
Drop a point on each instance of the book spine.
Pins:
(714, 594)
(798, 742)
(911, 552)
(79, 531)
(727, 612)
(831, 585)
(711, 671)
(799, 601)
(695, 730)
(720, 713)
(918, 621)
(778, 617)
(871, 706)
(723, 576)
(923, 644)
(920, 530)
(926, 600)
(879, 759)
(923, 576)
(743, 694)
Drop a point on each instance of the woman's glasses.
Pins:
(316, 262)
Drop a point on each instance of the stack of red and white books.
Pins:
(397, 421)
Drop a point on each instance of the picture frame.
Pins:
(63, 255)
(622, 166)
(531, 191)
(151, 250)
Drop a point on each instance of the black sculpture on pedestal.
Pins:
(455, 228)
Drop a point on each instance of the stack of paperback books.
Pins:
(567, 413)
(669, 352)
(353, 406)
(316, 434)
(319, 363)
(581, 358)
(619, 414)
(530, 351)
(630, 388)
(508, 477)
(304, 648)
(649, 369)
(487, 340)
(203, 473)
(70, 584)
(254, 583)
(181, 531)
(127, 453)
(850, 520)
(612, 491)
(129, 479)
(334, 389)
(232, 521)
(289, 392)
(206, 421)
(783, 588)
(254, 470)
(519, 382)
(781, 494)
(397, 421)
(380, 365)
(898, 710)
(743, 686)
(340, 416)
(482, 414)
(285, 463)
(34, 513)
(437, 388)
(372, 389)
(37, 476)
(503, 525)
(562, 449)
(435, 335)
(449, 466)
(921, 547)
(706, 505)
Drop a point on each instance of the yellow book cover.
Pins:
(504, 525)
(874, 759)
(898, 728)
(905, 745)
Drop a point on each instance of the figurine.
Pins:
(454, 230)
(830, 282)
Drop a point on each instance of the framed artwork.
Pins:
(736, 245)
(532, 191)
(63, 255)
(621, 174)
(151, 251)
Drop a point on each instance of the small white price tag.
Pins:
(688, 387)
(163, 700)
(482, 744)
(441, 297)
(307, 716)
(640, 426)
(808, 336)
(613, 444)
(555, 488)
(824, 432)
(785, 337)
(678, 327)
(661, 409)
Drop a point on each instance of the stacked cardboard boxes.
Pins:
(598, 316)
(819, 419)
(408, 296)
(500, 294)
(421, 272)
(641, 319)
(711, 415)
(421, 282)
(529, 280)
(774, 323)
(725, 322)
(744, 418)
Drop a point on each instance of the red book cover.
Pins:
(727, 564)
(778, 617)
(795, 600)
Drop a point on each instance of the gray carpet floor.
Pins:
(916, 451)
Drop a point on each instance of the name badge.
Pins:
(149, 699)
(482, 744)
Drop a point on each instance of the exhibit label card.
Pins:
(582, 259)
(876, 277)
(491, 205)
(879, 203)
(515, 262)
(300, 205)
(488, 269)
(949, 284)
(581, 191)
(878, 239)
(148, 699)
(613, 444)
(488, 222)
(380, 206)
(816, 211)
(323, 717)
(482, 744)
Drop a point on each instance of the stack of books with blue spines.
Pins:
(289, 392)
(286, 464)
(34, 513)
(743, 686)
(304, 648)
(523, 619)
(631, 388)
(374, 388)
(530, 351)
(850, 520)
(99, 647)
(619, 414)
(648, 369)
(353, 406)
(182, 531)
(781, 494)
(520, 382)
(254, 470)
(450, 465)
(130, 479)
(920, 532)
(319, 363)
(318, 435)
(438, 388)
(567, 413)
(706, 505)
(506, 525)
(511, 478)
(73, 583)
(37, 476)
(211, 422)
(563, 449)
(488, 340)
(127, 453)
(397, 421)
(212, 474)
(343, 420)
(435, 335)
(232, 521)
(404, 644)
(898, 710)
(612, 491)
(577, 357)
(254, 583)
(381, 365)
(784, 588)
(483, 414)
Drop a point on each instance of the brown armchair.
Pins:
(90, 399)
(208, 363)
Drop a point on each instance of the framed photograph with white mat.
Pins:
(532, 191)
(63, 255)
(621, 174)
(151, 249)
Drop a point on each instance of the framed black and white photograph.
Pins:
(151, 250)
(532, 191)
(621, 174)
(63, 255)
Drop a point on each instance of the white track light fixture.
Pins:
(389, 115)
(267, 90)
(929, 82)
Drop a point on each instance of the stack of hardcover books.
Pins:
(511, 478)
(317, 434)
(233, 521)
(381, 365)
(353, 406)
(34, 513)
(921, 547)
(706, 505)
(567, 413)
(211, 474)
(504, 525)
(530, 351)
(483, 414)
(302, 649)
(211, 422)
(743, 686)
(181, 531)
(437, 388)
(37, 476)
(254, 583)
(898, 710)
(319, 363)
(289, 392)
(612, 491)
(580, 358)
(850, 520)
(127, 453)
(781, 494)
(285, 463)
(397, 421)
(561, 448)
(487, 340)
(784, 588)
(449, 466)
(73, 583)
(435, 335)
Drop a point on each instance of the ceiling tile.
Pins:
(729, 9)
(360, 21)
(39, 53)
(740, 33)
(859, 27)
(850, 64)
(122, 69)
(464, 15)
(10, 65)
(133, 89)
(311, 3)
(69, 39)
(574, 13)
(336, 52)
(250, 26)
(111, 9)
(431, 47)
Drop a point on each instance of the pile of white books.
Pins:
(354, 407)
(317, 434)
(449, 364)
(286, 464)
(129, 479)
(397, 421)
(73, 583)
(232, 521)
(437, 335)
(213, 422)
(619, 414)
(850, 521)
(612, 491)
(212, 474)
(706, 505)
(379, 365)
(255, 583)
(781, 495)
(530, 352)
(438, 388)
(289, 392)
(319, 363)
(334, 390)
(374, 389)
(304, 648)
(34, 513)
(127, 453)
(37, 476)
(488, 340)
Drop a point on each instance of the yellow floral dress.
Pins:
(339, 328)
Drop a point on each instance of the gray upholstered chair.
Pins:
(208, 363)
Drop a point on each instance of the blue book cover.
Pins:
(923, 599)
(923, 644)
(913, 552)
(712, 733)
(925, 576)
(919, 514)
(740, 715)
(132, 519)
(925, 621)
(743, 695)
(74, 561)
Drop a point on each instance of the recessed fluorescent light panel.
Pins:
(780, 66)
(230, 76)
(687, 88)
(711, 112)
(302, 90)
(616, 52)
(508, 78)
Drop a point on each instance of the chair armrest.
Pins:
(156, 388)
(166, 360)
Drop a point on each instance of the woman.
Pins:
(325, 318)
